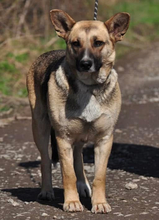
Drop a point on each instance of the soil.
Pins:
(133, 176)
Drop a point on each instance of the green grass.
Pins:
(4, 108)
(22, 58)
(22, 92)
(143, 12)
(9, 76)
(60, 44)
(144, 17)
(7, 70)
(4, 86)
(7, 67)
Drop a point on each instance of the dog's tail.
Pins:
(55, 156)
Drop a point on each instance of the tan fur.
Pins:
(81, 106)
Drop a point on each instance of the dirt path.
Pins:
(134, 158)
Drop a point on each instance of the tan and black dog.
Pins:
(75, 98)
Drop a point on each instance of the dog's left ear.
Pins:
(62, 22)
(118, 25)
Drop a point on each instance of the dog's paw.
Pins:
(46, 195)
(101, 208)
(73, 206)
(84, 189)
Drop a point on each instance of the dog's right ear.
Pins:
(62, 22)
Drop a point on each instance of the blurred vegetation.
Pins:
(26, 32)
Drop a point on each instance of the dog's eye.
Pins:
(76, 43)
(98, 43)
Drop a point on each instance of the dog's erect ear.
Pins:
(62, 22)
(118, 25)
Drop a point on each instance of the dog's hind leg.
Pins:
(41, 132)
(82, 183)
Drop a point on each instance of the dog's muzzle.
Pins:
(85, 65)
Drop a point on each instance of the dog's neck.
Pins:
(70, 83)
(91, 79)
(105, 87)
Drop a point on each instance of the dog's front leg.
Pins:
(71, 197)
(102, 152)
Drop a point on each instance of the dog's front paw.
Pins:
(46, 195)
(101, 208)
(73, 206)
(84, 189)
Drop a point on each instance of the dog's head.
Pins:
(90, 44)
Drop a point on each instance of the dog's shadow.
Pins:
(137, 159)
(30, 195)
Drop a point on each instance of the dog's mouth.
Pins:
(91, 78)
(87, 78)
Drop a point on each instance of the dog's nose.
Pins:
(85, 65)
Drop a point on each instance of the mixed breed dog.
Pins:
(75, 98)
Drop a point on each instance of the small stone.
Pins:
(118, 213)
(73, 214)
(55, 217)
(144, 178)
(44, 214)
(144, 213)
(128, 215)
(39, 173)
(131, 185)
(152, 178)
(14, 203)
(118, 131)
(120, 69)
(145, 188)
(124, 200)
(136, 180)
(155, 207)
(38, 158)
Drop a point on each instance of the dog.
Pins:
(75, 98)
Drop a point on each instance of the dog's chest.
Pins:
(83, 106)
(91, 111)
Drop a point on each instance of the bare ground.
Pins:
(133, 163)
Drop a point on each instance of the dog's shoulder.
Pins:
(40, 71)
(53, 62)
(45, 64)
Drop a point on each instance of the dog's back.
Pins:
(40, 71)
